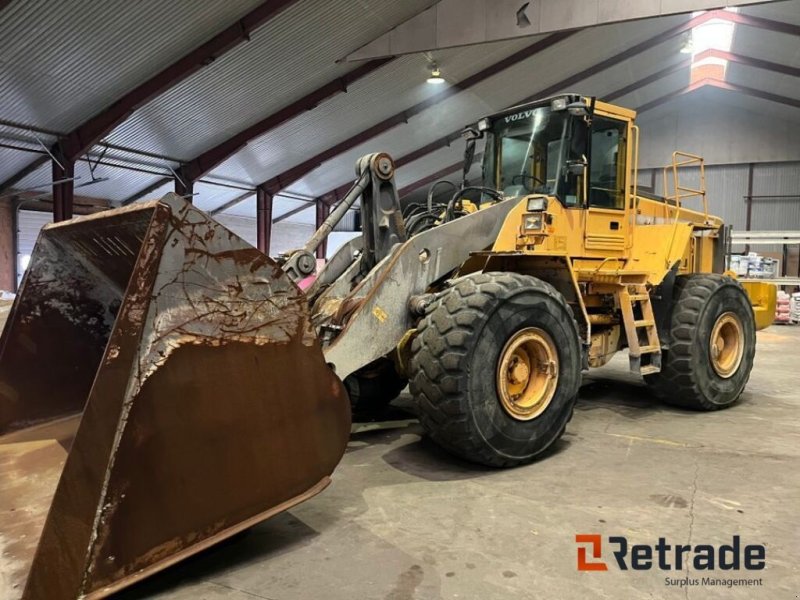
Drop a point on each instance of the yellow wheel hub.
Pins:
(727, 345)
(527, 373)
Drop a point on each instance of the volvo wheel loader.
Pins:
(163, 385)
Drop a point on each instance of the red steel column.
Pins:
(749, 200)
(263, 219)
(63, 193)
(184, 188)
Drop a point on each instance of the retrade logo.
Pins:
(668, 557)
(595, 543)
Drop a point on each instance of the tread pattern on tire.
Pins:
(440, 355)
(677, 382)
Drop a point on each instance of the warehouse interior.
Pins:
(256, 112)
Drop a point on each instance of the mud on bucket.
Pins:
(160, 390)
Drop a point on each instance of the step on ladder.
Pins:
(629, 296)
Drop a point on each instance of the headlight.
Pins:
(537, 204)
(484, 124)
(532, 223)
(558, 104)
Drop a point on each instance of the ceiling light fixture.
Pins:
(436, 75)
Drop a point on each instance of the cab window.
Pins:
(607, 165)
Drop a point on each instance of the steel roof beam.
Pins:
(230, 203)
(762, 23)
(455, 167)
(199, 166)
(755, 93)
(334, 194)
(283, 180)
(147, 190)
(24, 172)
(293, 212)
(710, 53)
(748, 61)
(83, 137)
(620, 57)
(723, 85)
(624, 91)
(453, 24)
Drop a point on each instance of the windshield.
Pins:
(525, 152)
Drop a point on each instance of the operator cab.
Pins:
(550, 146)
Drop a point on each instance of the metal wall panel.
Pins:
(348, 222)
(726, 187)
(29, 225)
(776, 214)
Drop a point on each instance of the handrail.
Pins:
(681, 191)
(684, 159)
(607, 259)
(635, 203)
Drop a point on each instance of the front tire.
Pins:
(712, 344)
(495, 368)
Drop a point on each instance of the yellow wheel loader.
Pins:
(163, 385)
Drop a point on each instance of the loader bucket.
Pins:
(160, 390)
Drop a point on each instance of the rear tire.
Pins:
(459, 357)
(695, 373)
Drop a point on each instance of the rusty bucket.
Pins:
(160, 390)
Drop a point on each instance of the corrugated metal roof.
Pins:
(113, 183)
(246, 208)
(390, 90)
(62, 62)
(209, 197)
(767, 81)
(777, 11)
(12, 161)
(499, 91)
(658, 89)
(765, 44)
(288, 57)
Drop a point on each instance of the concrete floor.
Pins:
(404, 520)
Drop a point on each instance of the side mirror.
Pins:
(577, 167)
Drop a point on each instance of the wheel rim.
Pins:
(527, 373)
(727, 345)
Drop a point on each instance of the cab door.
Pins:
(606, 223)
